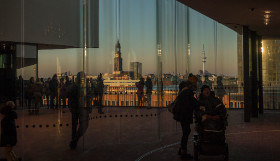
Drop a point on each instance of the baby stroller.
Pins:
(209, 138)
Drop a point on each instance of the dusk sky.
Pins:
(138, 39)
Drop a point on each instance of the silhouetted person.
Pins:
(199, 82)
(77, 106)
(186, 104)
(30, 93)
(149, 90)
(220, 91)
(100, 88)
(8, 130)
(95, 92)
(62, 95)
(47, 91)
(37, 95)
(20, 86)
(89, 93)
(54, 93)
(140, 91)
(67, 81)
(43, 90)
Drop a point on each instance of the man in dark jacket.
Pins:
(77, 106)
(8, 130)
(186, 104)
(149, 90)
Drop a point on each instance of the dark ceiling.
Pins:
(238, 13)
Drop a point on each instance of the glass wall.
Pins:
(87, 82)
(270, 58)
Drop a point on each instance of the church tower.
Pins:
(118, 59)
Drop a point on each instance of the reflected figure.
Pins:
(149, 85)
(100, 88)
(89, 92)
(29, 94)
(37, 95)
(8, 130)
(94, 92)
(62, 94)
(20, 85)
(47, 91)
(220, 88)
(80, 113)
(43, 91)
(54, 93)
(140, 91)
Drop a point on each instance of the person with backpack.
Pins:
(183, 112)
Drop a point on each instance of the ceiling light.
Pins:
(267, 12)
(267, 16)
(266, 21)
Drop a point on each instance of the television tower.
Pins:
(203, 64)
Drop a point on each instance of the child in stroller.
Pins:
(211, 122)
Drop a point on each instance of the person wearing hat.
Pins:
(8, 130)
(211, 106)
(186, 104)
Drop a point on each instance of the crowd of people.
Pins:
(56, 92)
(207, 107)
(140, 91)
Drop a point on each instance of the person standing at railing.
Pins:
(220, 91)
(62, 95)
(47, 91)
(100, 88)
(54, 91)
(149, 90)
(94, 92)
(29, 94)
(89, 92)
(140, 91)
(37, 95)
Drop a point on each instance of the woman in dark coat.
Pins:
(186, 104)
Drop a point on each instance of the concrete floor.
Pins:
(127, 134)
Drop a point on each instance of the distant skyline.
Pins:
(138, 43)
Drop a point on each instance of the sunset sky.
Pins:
(138, 39)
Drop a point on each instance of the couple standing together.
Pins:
(204, 109)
